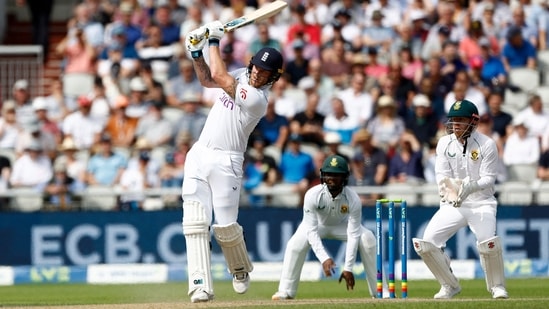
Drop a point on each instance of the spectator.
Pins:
(443, 30)
(170, 29)
(529, 30)
(152, 51)
(375, 69)
(451, 62)
(369, 165)
(238, 49)
(101, 106)
(32, 169)
(46, 125)
(274, 128)
(57, 104)
(341, 28)
(5, 174)
(298, 66)
(61, 189)
(185, 82)
(378, 37)
(520, 147)
(263, 39)
(308, 123)
(260, 169)
(340, 122)
(119, 126)
(358, 102)
(289, 100)
(390, 12)
(74, 165)
(323, 84)
(81, 126)
(518, 52)
(386, 127)
(423, 123)
(33, 133)
(493, 71)
(9, 128)
(406, 41)
(485, 126)
(105, 167)
(406, 165)
(171, 172)
(337, 63)
(132, 28)
(470, 48)
(24, 112)
(302, 28)
(116, 64)
(295, 165)
(138, 105)
(132, 11)
(534, 116)
(405, 59)
(193, 119)
(92, 31)
(543, 166)
(153, 127)
(133, 181)
(501, 120)
(228, 56)
(463, 89)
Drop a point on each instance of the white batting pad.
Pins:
(231, 240)
(437, 262)
(197, 239)
(491, 259)
(367, 249)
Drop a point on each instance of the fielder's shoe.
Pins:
(499, 292)
(281, 296)
(199, 296)
(447, 292)
(241, 282)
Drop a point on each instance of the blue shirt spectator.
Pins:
(518, 52)
(295, 164)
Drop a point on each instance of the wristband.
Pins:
(213, 42)
(196, 54)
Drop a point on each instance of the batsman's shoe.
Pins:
(241, 282)
(200, 296)
(447, 292)
(281, 296)
(499, 292)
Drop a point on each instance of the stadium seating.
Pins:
(527, 79)
(99, 198)
(515, 193)
(26, 200)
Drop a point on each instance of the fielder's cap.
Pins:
(295, 138)
(444, 30)
(332, 138)
(137, 84)
(268, 59)
(463, 108)
(21, 84)
(39, 103)
(421, 100)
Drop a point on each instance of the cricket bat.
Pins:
(260, 14)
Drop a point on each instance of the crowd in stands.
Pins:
(369, 80)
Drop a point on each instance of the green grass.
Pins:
(524, 293)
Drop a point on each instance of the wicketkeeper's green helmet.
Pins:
(335, 165)
(463, 108)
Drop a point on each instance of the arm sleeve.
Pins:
(354, 229)
(490, 164)
(442, 166)
(311, 221)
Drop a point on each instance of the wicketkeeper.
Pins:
(466, 168)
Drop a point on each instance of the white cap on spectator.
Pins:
(39, 103)
(21, 84)
(332, 138)
(306, 83)
(421, 100)
(417, 15)
(137, 84)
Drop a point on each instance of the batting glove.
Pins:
(349, 279)
(196, 40)
(466, 189)
(216, 30)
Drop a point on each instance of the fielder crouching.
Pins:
(331, 210)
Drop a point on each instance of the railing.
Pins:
(21, 62)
